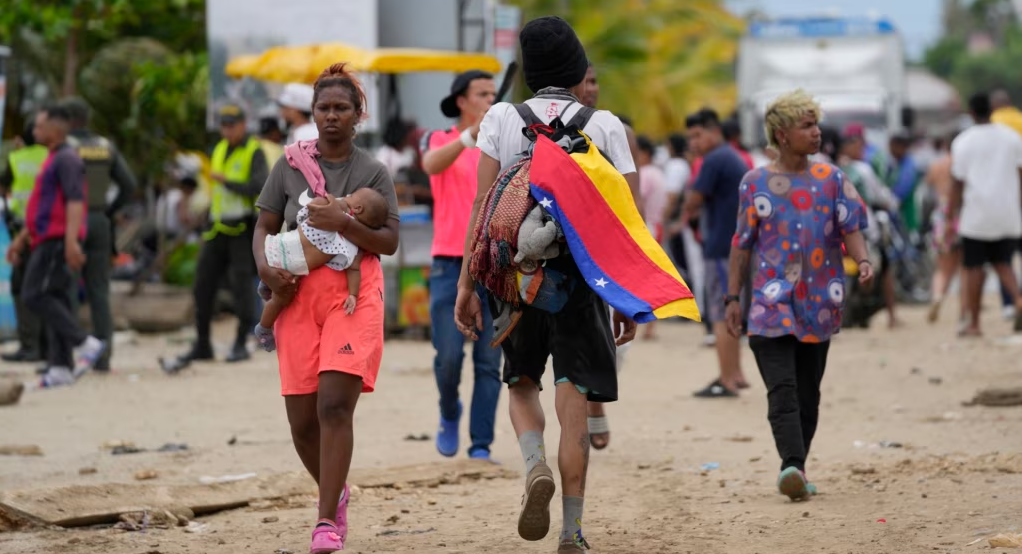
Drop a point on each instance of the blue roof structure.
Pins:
(820, 27)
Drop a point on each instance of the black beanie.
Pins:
(552, 55)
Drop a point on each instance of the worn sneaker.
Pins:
(87, 354)
(534, 520)
(792, 483)
(57, 377)
(576, 544)
(447, 434)
(326, 539)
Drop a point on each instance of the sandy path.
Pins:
(958, 477)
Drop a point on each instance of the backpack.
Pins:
(499, 220)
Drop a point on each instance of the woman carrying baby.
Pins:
(328, 357)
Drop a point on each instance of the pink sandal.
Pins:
(341, 520)
(325, 539)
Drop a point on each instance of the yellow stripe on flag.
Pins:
(614, 189)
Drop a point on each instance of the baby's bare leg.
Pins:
(272, 309)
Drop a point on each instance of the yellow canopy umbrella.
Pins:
(303, 64)
(405, 60)
(286, 64)
(331, 53)
(242, 66)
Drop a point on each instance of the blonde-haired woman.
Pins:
(793, 217)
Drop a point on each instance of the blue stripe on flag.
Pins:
(614, 294)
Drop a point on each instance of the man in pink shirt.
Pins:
(450, 158)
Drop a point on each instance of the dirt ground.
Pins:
(956, 478)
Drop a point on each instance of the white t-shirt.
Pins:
(395, 160)
(987, 159)
(677, 173)
(306, 131)
(501, 138)
(653, 190)
(166, 212)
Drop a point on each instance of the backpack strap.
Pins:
(528, 115)
(581, 117)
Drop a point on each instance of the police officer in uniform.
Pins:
(104, 166)
(239, 170)
(18, 180)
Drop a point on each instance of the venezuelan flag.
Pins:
(612, 247)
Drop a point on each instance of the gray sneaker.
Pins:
(58, 377)
(573, 547)
(87, 354)
(534, 520)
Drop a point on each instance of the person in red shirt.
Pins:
(733, 136)
(55, 229)
(450, 158)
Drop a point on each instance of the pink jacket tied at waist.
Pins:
(302, 156)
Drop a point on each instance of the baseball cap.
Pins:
(854, 130)
(230, 114)
(449, 105)
(297, 96)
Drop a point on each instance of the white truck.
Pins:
(854, 67)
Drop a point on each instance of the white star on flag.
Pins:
(601, 282)
(546, 203)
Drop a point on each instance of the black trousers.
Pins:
(230, 257)
(96, 274)
(792, 372)
(31, 334)
(45, 291)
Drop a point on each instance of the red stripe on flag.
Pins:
(606, 239)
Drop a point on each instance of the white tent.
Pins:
(927, 92)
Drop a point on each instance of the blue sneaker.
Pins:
(480, 454)
(447, 435)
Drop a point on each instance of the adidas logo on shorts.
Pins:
(346, 349)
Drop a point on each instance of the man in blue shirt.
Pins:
(714, 198)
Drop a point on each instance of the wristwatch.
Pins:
(729, 298)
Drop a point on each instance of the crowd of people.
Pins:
(763, 238)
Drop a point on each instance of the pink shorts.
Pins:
(315, 335)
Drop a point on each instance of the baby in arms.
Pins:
(307, 248)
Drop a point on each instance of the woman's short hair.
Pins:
(786, 110)
(337, 75)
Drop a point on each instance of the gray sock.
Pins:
(531, 443)
(571, 529)
(265, 337)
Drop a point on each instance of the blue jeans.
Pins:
(450, 353)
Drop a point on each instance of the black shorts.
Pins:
(978, 253)
(579, 338)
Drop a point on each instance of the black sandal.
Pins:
(715, 390)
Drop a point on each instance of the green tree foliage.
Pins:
(998, 68)
(140, 64)
(984, 70)
(657, 60)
